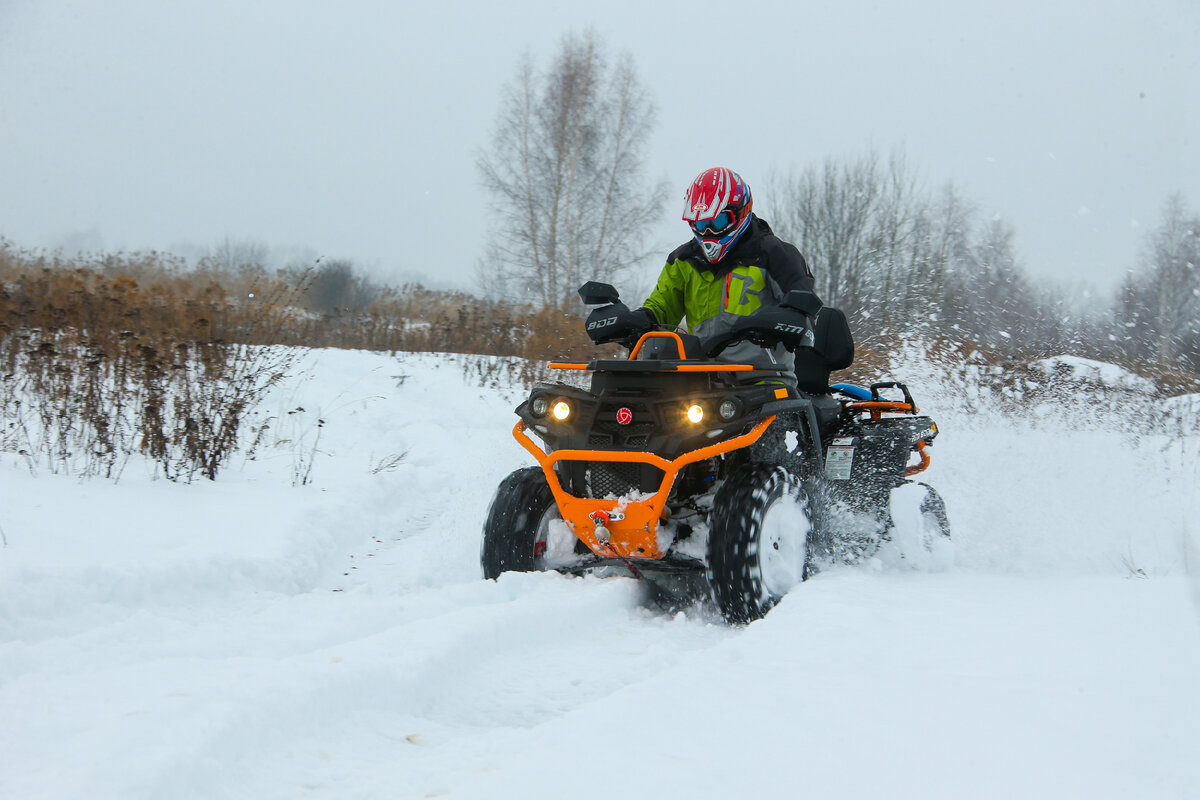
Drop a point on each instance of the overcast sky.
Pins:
(353, 127)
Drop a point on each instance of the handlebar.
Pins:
(791, 323)
(765, 328)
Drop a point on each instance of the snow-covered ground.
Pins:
(251, 638)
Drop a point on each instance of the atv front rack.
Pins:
(626, 527)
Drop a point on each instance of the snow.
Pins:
(254, 638)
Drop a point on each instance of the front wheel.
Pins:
(758, 540)
(523, 531)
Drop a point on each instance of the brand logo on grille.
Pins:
(624, 416)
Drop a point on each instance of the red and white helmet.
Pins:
(717, 207)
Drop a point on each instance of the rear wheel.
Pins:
(523, 531)
(758, 540)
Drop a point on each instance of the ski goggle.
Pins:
(715, 226)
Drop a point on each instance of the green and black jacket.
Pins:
(757, 272)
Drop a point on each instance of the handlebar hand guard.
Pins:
(616, 323)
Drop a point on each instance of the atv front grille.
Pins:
(604, 479)
(636, 435)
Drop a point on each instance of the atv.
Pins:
(719, 479)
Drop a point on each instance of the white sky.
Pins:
(353, 127)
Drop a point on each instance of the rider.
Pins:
(732, 267)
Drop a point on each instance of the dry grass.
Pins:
(105, 356)
(126, 355)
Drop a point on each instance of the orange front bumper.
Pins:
(636, 535)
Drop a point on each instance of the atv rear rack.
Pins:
(877, 408)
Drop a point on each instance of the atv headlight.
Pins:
(728, 410)
(695, 413)
(539, 406)
(562, 410)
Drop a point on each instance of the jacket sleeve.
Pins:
(666, 301)
(788, 268)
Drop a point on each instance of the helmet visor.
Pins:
(715, 226)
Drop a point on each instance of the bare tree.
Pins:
(1174, 278)
(335, 289)
(942, 243)
(896, 259)
(239, 265)
(1159, 304)
(232, 255)
(858, 224)
(993, 292)
(565, 174)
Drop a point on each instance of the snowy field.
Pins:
(253, 639)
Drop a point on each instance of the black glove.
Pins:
(616, 323)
